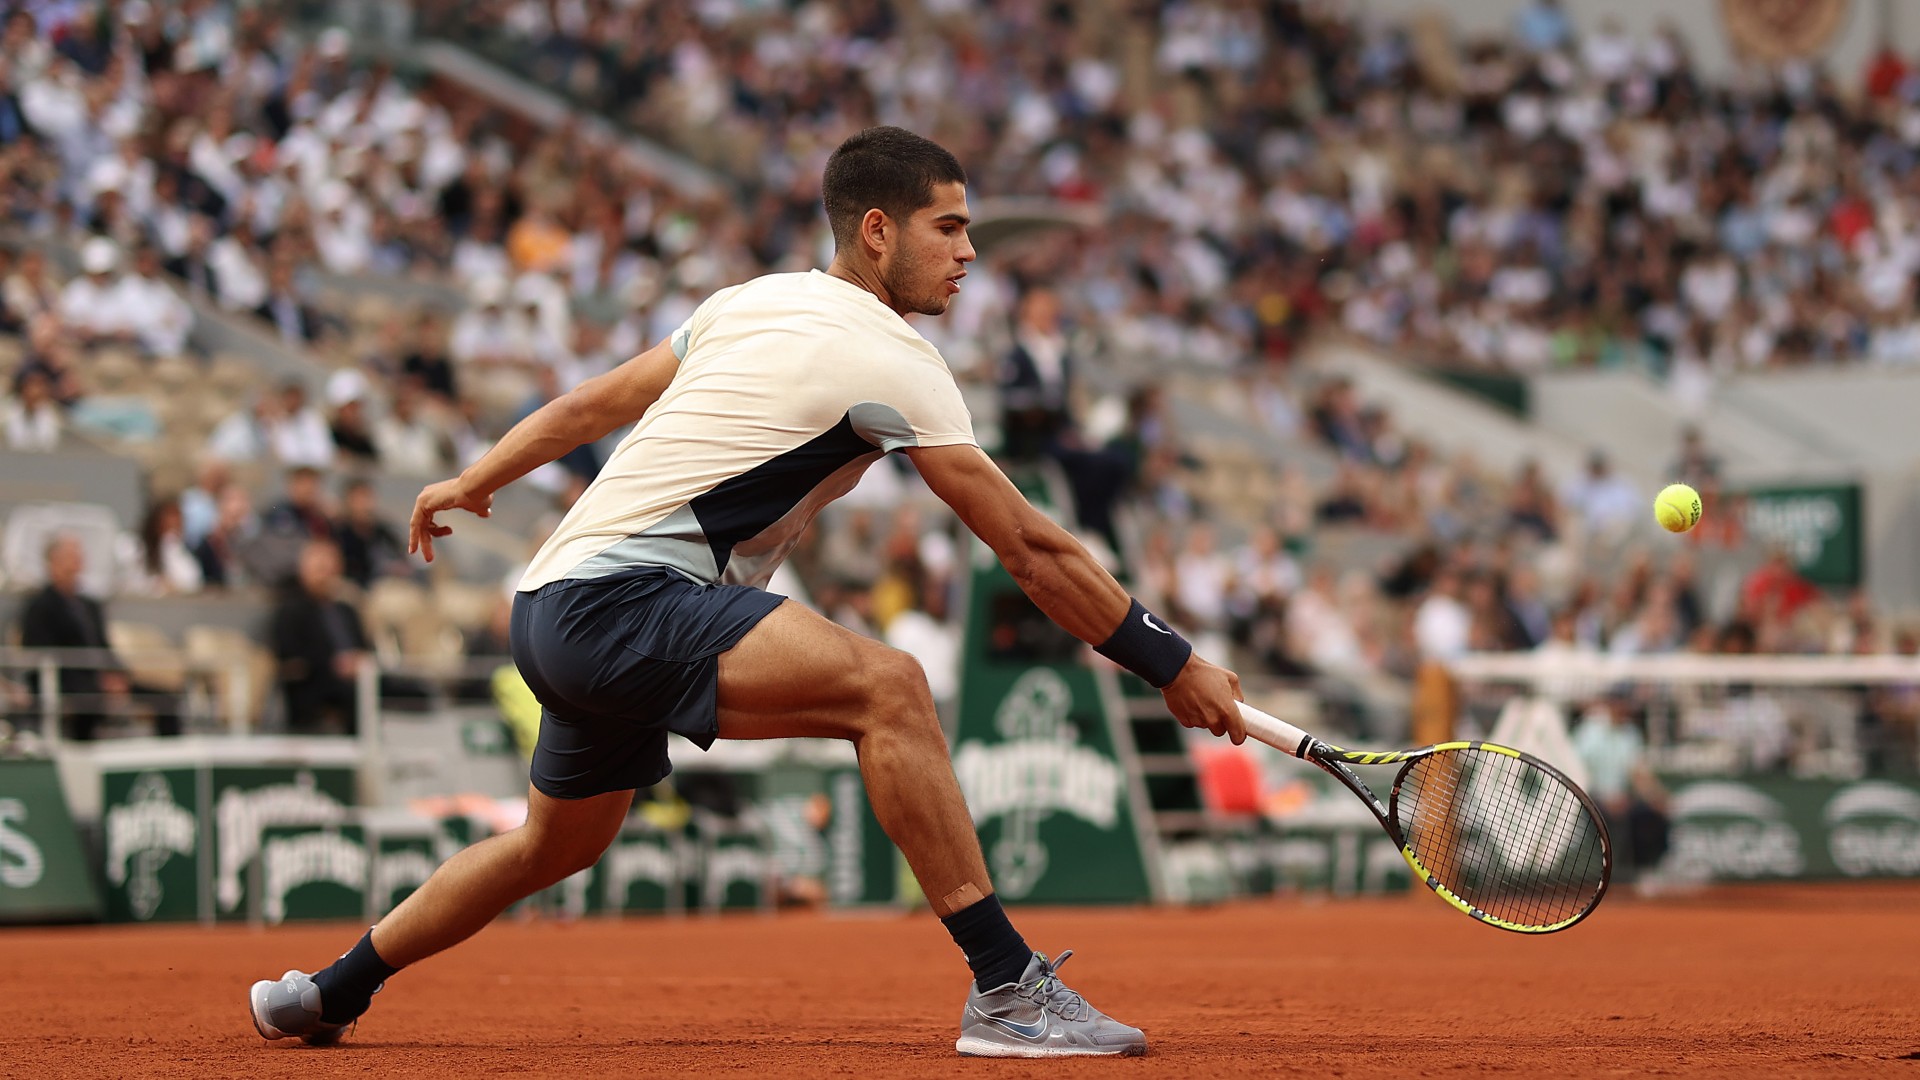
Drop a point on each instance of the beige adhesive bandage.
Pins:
(962, 897)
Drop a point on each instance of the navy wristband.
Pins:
(1147, 647)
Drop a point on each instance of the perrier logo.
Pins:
(1039, 770)
(142, 834)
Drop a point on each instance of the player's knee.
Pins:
(553, 854)
(899, 687)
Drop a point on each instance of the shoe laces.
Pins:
(1047, 991)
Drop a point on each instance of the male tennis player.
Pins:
(645, 614)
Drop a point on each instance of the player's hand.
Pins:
(445, 495)
(1202, 696)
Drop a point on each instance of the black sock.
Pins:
(347, 985)
(995, 950)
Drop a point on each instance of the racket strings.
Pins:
(1503, 835)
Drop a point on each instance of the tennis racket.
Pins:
(1499, 834)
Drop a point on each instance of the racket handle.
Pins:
(1275, 733)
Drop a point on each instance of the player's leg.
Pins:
(799, 675)
(561, 838)
(468, 891)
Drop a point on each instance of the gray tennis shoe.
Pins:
(290, 1009)
(1038, 1016)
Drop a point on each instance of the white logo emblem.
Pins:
(1039, 769)
(1147, 617)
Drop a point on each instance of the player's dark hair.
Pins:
(886, 168)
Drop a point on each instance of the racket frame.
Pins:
(1335, 760)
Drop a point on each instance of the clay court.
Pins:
(1758, 981)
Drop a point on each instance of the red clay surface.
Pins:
(1763, 981)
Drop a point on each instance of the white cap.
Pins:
(99, 256)
(346, 385)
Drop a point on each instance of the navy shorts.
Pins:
(618, 662)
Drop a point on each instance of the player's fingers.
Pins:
(1236, 726)
(440, 530)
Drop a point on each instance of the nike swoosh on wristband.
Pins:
(1035, 1030)
(1147, 617)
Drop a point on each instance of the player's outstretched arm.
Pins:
(1063, 579)
(588, 412)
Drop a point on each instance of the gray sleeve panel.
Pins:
(883, 426)
(681, 338)
(675, 541)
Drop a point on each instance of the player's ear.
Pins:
(876, 228)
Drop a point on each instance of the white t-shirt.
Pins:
(789, 386)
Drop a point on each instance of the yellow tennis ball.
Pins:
(1677, 508)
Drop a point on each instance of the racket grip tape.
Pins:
(1275, 733)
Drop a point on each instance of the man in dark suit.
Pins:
(1036, 380)
(59, 617)
(297, 321)
(321, 645)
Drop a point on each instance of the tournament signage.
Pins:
(1784, 828)
(182, 836)
(1035, 756)
(1819, 526)
(43, 873)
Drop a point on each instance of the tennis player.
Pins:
(645, 613)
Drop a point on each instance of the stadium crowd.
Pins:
(1268, 170)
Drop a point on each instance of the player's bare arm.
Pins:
(591, 411)
(1063, 579)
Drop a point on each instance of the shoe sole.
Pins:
(974, 1046)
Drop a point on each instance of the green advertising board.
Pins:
(44, 876)
(305, 873)
(154, 834)
(1818, 525)
(182, 824)
(1782, 827)
(249, 800)
(1035, 752)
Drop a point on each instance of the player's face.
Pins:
(924, 273)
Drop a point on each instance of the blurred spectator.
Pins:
(1694, 466)
(150, 307)
(163, 564)
(1201, 580)
(369, 548)
(50, 354)
(302, 510)
(1443, 624)
(29, 289)
(232, 554)
(1630, 797)
(31, 417)
(347, 394)
(1036, 379)
(321, 646)
(1606, 502)
(408, 443)
(1775, 591)
(97, 687)
(302, 436)
(200, 502)
(1531, 506)
(428, 360)
(286, 308)
(92, 306)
